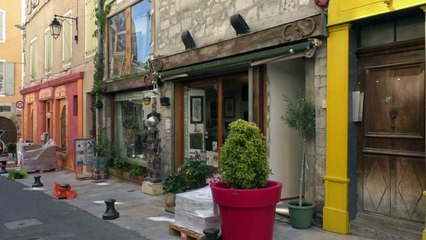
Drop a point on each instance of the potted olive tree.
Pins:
(245, 197)
(300, 115)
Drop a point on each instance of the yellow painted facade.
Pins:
(11, 49)
(340, 15)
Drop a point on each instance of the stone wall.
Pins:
(209, 20)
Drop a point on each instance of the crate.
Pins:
(184, 233)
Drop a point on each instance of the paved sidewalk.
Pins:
(144, 213)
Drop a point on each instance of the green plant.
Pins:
(103, 144)
(136, 170)
(17, 173)
(300, 115)
(101, 13)
(243, 163)
(174, 183)
(196, 172)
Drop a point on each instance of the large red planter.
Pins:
(247, 214)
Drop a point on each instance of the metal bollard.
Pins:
(211, 233)
(37, 182)
(3, 167)
(110, 212)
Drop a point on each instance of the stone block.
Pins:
(152, 188)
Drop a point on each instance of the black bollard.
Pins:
(37, 182)
(3, 167)
(211, 233)
(110, 212)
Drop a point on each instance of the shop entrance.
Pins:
(204, 110)
(392, 133)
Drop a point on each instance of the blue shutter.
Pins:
(9, 78)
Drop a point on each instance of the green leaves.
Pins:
(174, 183)
(243, 161)
(300, 115)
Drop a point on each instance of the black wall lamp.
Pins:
(240, 26)
(56, 26)
(187, 40)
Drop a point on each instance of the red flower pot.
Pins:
(247, 214)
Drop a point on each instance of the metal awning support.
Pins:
(306, 48)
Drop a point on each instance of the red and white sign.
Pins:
(19, 104)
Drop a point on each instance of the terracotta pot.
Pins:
(247, 214)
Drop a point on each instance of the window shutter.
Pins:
(9, 78)
(91, 41)
(1, 26)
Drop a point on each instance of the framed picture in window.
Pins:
(118, 65)
(120, 42)
(196, 108)
(229, 106)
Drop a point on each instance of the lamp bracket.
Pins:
(72, 18)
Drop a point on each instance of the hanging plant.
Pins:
(98, 78)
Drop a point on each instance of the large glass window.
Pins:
(208, 112)
(128, 53)
(2, 26)
(140, 35)
(117, 44)
(131, 128)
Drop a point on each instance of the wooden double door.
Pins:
(392, 134)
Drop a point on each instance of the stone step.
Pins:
(381, 227)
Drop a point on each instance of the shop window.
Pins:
(130, 41)
(131, 128)
(206, 117)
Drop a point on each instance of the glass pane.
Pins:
(235, 102)
(140, 35)
(201, 123)
(410, 28)
(131, 130)
(377, 34)
(117, 41)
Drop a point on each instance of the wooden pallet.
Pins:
(184, 233)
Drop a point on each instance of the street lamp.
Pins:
(56, 26)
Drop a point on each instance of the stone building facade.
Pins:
(215, 40)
